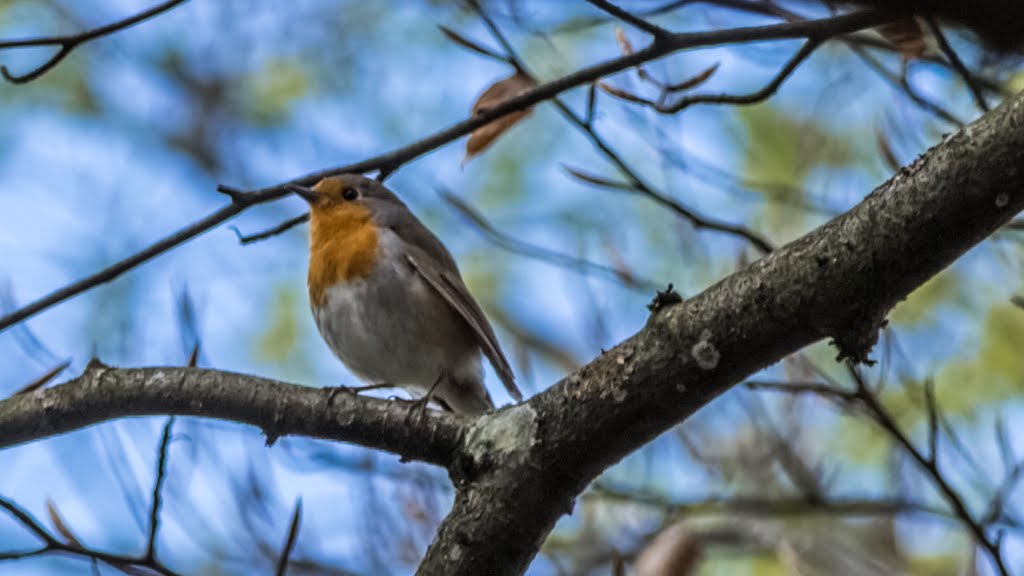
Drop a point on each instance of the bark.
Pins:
(103, 393)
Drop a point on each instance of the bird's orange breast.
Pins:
(343, 247)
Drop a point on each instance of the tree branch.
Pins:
(518, 470)
(629, 18)
(52, 545)
(279, 409)
(241, 200)
(69, 43)
(755, 97)
(526, 465)
(957, 64)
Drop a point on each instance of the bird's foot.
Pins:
(419, 406)
(333, 391)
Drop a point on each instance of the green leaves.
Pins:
(271, 91)
(995, 373)
(780, 153)
(782, 150)
(279, 340)
(921, 305)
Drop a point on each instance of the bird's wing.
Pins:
(449, 285)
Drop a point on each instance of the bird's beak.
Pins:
(307, 194)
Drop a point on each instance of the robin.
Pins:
(388, 298)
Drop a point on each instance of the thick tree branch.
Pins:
(241, 200)
(517, 471)
(103, 393)
(526, 465)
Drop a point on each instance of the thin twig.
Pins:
(157, 495)
(774, 10)
(768, 506)
(26, 519)
(824, 390)
(52, 545)
(631, 19)
(270, 232)
(289, 544)
(932, 410)
(755, 97)
(751, 6)
(469, 44)
(957, 64)
(761, 95)
(41, 381)
(70, 42)
(866, 399)
(516, 246)
(930, 466)
(635, 182)
(901, 82)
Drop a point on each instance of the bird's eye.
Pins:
(350, 194)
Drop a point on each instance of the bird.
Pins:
(390, 302)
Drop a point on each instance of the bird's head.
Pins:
(344, 233)
(343, 194)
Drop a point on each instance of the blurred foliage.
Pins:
(922, 304)
(780, 152)
(967, 386)
(860, 442)
(283, 343)
(754, 565)
(67, 88)
(504, 181)
(271, 91)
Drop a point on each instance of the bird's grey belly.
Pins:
(392, 328)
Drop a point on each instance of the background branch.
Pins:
(69, 43)
(240, 200)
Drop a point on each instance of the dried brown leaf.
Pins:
(499, 92)
(596, 180)
(694, 81)
(60, 525)
(907, 36)
(673, 552)
(624, 45)
(620, 93)
(627, 48)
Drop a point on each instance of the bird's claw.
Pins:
(333, 391)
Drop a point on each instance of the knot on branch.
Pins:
(663, 298)
(855, 340)
(503, 439)
(95, 368)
